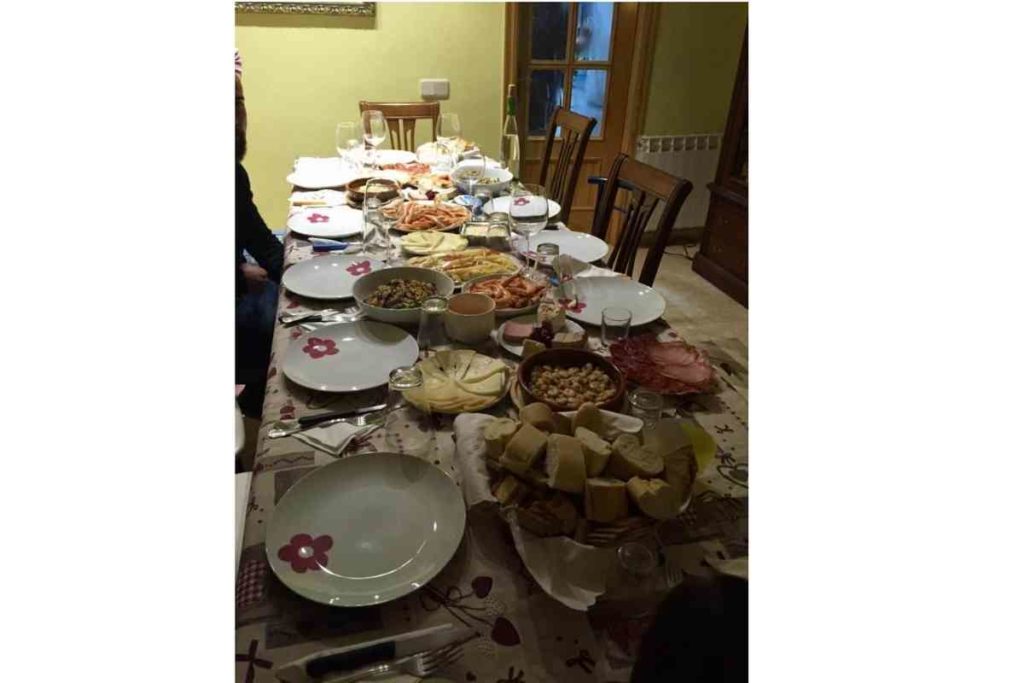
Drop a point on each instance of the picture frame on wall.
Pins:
(334, 7)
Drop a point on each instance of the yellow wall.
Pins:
(302, 74)
(696, 52)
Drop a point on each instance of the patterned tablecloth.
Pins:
(525, 636)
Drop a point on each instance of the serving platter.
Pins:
(333, 357)
(366, 529)
(517, 349)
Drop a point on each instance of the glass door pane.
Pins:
(594, 31)
(546, 93)
(588, 94)
(549, 30)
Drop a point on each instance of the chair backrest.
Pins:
(646, 186)
(560, 180)
(402, 117)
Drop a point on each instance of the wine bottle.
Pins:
(510, 135)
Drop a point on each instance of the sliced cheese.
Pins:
(523, 449)
(655, 497)
(566, 466)
(629, 459)
(482, 368)
(532, 346)
(605, 500)
(596, 451)
(492, 386)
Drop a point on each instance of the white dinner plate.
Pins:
(330, 276)
(326, 221)
(597, 293)
(501, 204)
(315, 173)
(517, 349)
(385, 156)
(580, 245)
(334, 357)
(365, 529)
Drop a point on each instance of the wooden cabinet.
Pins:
(722, 259)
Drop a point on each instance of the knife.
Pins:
(310, 420)
(317, 665)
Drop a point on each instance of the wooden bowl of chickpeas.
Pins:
(567, 378)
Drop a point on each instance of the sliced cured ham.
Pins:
(667, 367)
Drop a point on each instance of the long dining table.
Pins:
(524, 635)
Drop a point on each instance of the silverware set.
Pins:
(360, 417)
(326, 317)
(421, 665)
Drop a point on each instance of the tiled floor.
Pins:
(697, 309)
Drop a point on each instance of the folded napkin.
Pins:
(332, 438)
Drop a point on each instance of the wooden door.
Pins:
(579, 56)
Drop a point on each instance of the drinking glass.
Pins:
(449, 129)
(431, 334)
(375, 130)
(408, 428)
(547, 254)
(528, 211)
(347, 139)
(615, 324)
(378, 219)
(645, 405)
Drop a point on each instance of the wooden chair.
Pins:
(576, 130)
(402, 117)
(646, 187)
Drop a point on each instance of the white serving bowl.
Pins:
(365, 286)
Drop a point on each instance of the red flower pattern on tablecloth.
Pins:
(361, 268)
(318, 348)
(304, 552)
(317, 218)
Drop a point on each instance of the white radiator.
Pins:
(693, 157)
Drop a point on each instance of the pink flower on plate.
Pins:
(520, 201)
(305, 552)
(568, 305)
(317, 218)
(361, 268)
(317, 348)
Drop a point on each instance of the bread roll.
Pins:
(566, 465)
(596, 451)
(605, 500)
(497, 434)
(510, 490)
(681, 470)
(655, 497)
(539, 415)
(549, 517)
(523, 449)
(563, 424)
(629, 459)
(588, 415)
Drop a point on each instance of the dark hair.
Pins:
(699, 634)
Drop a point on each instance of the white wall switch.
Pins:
(434, 88)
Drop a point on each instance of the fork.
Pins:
(356, 421)
(421, 665)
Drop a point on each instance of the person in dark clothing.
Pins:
(699, 634)
(256, 284)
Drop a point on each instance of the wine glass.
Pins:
(449, 129)
(528, 211)
(346, 140)
(375, 130)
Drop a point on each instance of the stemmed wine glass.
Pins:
(528, 212)
(375, 130)
(449, 129)
(346, 140)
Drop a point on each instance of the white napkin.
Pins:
(332, 438)
(573, 573)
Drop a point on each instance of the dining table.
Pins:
(523, 634)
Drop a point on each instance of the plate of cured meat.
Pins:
(513, 294)
(672, 367)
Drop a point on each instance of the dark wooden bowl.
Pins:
(562, 358)
(356, 190)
